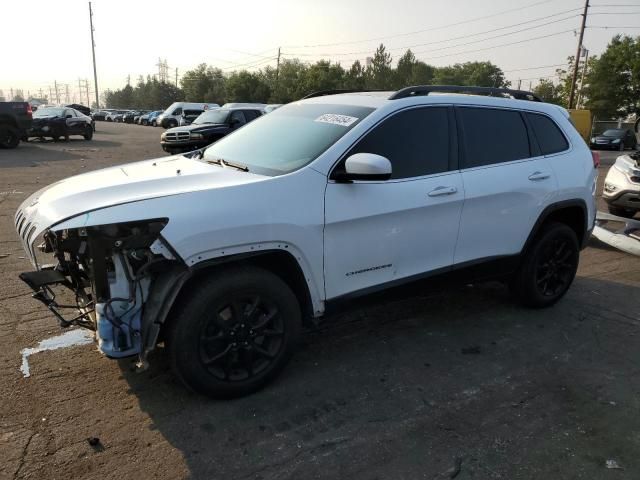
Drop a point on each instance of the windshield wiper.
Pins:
(227, 163)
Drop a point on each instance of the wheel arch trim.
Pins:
(557, 207)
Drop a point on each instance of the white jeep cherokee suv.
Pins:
(224, 252)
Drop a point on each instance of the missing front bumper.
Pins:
(42, 283)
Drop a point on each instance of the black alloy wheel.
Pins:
(242, 337)
(234, 332)
(548, 266)
(556, 265)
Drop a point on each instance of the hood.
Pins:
(607, 138)
(122, 184)
(200, 128)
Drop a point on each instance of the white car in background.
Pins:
(622, 186)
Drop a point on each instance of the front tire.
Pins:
(234, 333)
(88, 132)
(548, 267)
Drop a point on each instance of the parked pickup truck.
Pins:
(15, 120)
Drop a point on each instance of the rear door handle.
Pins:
(535, 176)
(437, 192)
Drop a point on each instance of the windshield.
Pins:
(48, 112)
(212, 116)
(288, 138)
(614, 132)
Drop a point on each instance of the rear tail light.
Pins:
(29, 110)
(596, 159)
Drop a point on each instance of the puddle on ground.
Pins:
(78, 336)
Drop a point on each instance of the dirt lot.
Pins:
(446, 383)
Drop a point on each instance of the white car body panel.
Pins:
(378, 232)
(501, 206)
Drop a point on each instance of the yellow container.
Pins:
(582, 121)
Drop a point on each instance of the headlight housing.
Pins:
(615, 140)
(195, 136)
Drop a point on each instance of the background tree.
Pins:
(322, 75)
(379, 74)
(404, 70)
(354, 78)
(245, 86)
(612, 86)
(290, 84)
(204, 84)
(481, 74)
(549, 92)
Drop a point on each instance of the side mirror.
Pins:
(69, 116)
(366, 166)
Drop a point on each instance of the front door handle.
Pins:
(442, 191)
(535, 176)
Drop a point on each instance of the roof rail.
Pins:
(322, 93)
(488, 91)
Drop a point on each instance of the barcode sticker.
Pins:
(335, 119)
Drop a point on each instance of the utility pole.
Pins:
(519, 83)
(86, 86)
(277, 69)
(584, 71)
(55, 86)
(576, 61)
(11, 94)
(93, 52)
(66, 93)
(128, 79)
(40, 94)
(50, 98)
(79, 90)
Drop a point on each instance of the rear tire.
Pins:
(9, 136)
(548, 267)
(621, 212)
(234, 332)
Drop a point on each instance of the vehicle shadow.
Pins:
(411, 386)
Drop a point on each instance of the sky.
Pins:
(528, 39)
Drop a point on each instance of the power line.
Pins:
(496, 46)
(463, 36)
(534, 68)
(431, 29)
(250, 64)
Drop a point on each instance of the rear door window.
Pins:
(492, 136)
(550, 137)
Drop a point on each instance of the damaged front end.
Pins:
(119, 277)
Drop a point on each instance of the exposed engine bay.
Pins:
(112, 271)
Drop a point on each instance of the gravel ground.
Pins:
(442, 383)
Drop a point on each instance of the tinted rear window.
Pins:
(550, 138)
(493, 136)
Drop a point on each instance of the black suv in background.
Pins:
(210, 126)
(15, 120)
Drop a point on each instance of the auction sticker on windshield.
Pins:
(334, 118)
